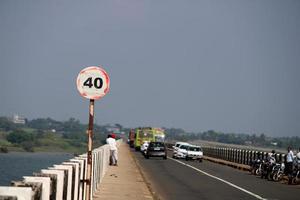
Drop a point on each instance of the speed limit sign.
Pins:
(93, 82)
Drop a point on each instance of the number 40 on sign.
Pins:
(93, 82)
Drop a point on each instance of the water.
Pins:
(15, 165)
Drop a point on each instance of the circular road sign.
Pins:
(93, 82)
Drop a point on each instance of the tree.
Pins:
(19, 136)
(6, 124)
(119, 126)
(44, 124)
(72, 125)
(262, 139)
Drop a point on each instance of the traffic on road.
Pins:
(178, 178)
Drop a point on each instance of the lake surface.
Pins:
(15, 165)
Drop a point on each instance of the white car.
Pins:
(194, 153)
(144, 146)
(180, 151)
(177, 144)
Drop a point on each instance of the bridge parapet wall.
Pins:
(241, 156)
(65, 181)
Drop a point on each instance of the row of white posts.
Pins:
(241, 156)
(60, 182)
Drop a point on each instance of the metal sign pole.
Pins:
(92, 83)
(89, 150)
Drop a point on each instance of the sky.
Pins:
(231, 66)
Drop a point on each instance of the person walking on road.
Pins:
(111, 141)
(289, 164)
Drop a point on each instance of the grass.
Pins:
(50, 142)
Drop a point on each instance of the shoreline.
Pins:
(48, 150)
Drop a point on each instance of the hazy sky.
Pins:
(231, 66)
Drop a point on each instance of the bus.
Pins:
(131, 137)
(148, 134)
(159, 134)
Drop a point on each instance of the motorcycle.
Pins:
(277, 172)
(296, 174)
(256, 167)
(267, 168)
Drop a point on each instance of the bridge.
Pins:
(222, 175)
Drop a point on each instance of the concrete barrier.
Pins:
(19, 193)
(238, 158)
(46, 183)
(65, 181)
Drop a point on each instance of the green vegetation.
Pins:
(48, 135)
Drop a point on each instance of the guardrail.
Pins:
(240, 156)
(60, 182)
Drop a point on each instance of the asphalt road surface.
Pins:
(175, 179)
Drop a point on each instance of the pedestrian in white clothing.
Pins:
(289, 164)
(113, 159)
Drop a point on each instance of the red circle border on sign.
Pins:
(107, 81)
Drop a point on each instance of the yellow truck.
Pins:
(149, 134)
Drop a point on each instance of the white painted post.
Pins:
(84, 157)
(60, 181)
(81, 177)
(45, 184)
(22, 193)
(75, 166)
(69, 181)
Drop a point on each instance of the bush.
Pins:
(28, 146)
(76, 143)
(19, 136)
(3, 150)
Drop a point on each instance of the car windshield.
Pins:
(146, 134)
(183, 147)
(156, 144)
(159, 138)
(194, 149)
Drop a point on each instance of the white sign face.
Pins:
(93, 82)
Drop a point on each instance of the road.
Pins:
(179, 179)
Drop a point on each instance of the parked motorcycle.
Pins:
(296, 174)
(277, 172)
(255, 167)
(267, 168)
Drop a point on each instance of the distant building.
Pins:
(18, 119)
